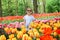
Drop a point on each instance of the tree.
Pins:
(25, 4)
(16, 7)
(9, 10)
(35, 6)
(53, 6)
(58, 5)
(0, 8)
(44, 2)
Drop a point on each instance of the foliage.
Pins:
(9, 7)
(53, 6)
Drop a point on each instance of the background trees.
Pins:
(18, 7)
(53, 6)
(0, 9)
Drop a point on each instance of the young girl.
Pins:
(28, 18)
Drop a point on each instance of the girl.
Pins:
(28, 18)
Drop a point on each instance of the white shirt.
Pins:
(28, 19)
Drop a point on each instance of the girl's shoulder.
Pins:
(28, 16)
(25, 15)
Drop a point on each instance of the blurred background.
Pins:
(18, 7)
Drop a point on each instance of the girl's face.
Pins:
(29, 11)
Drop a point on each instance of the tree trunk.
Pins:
(0, 8)
(35, 6)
